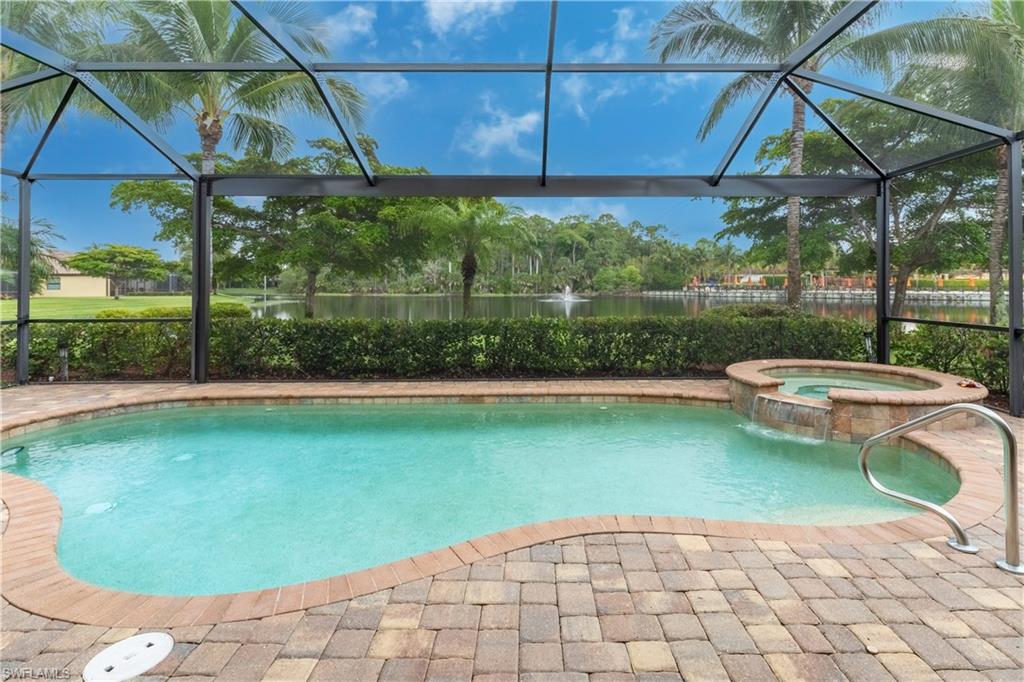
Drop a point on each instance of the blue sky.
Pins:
(466, 123)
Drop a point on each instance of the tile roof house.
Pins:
(65, 281)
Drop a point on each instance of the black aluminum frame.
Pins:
(718, 184)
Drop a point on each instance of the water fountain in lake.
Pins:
(567, 299)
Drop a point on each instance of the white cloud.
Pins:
(575, 88)
(625, 30)
(670, 83)
(581, 92)
(602, 52)
(578, 206)
(445, 17)
(381, 88)
(583, 97)
(345, 26)
(501, 131)
(625, 33)
(669, 162)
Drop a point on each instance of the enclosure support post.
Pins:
(882, 273)
(24, 275)
(1016, 244)
(202, 255)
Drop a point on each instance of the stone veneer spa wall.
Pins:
(848, 414)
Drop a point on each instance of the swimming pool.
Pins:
(817, 385)
(221, 499)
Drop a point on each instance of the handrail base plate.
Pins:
(966, 549)
(1017, 569)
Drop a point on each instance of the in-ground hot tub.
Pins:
(818, 384)
(847, 401)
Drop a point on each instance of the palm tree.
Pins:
(731, 259)
(244, 105)
(471, 227)
(972, 65)
(41, 248)
(757, 32)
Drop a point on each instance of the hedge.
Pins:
(357, 349)
(222, 309)
(266, 348)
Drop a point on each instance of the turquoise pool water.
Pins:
(209, 500)
(817, 385)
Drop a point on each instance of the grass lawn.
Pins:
(90, 305)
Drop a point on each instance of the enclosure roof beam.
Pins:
(68, 93)
(431, 67)
(847, 140)
(817, 42)
(748, 126)
(280, 38)
(907, 104)
(557, 186)
(547, 92)
(828, 32)
(33, 50)
(29, 79)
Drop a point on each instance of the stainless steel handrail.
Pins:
(959, 541)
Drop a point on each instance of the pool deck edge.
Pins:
(33, 579)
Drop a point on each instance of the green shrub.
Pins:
(293, 349)
(221, 309)
(974, 353)
(242, 347)
(752, 310)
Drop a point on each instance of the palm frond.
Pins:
(696, 30)
(299, 21)
(737, 89)
(259, 135)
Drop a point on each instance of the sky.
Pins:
(466, 123)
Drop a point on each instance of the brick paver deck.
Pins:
(614, 606)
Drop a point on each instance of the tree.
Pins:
(971, 64)
(41, 247)
(347, 235)
(119, 263)
(316, 235)
(935, 219)
(758, 32)
(247, 106)
(470, 227)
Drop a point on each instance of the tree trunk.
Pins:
(116, 288)
(310, 291)
(796, 167)
(997, 237)
(468, 275)
(899, 290)
(210, 128)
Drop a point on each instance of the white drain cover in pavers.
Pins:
(128, 658)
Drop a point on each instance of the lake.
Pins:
(445, 307)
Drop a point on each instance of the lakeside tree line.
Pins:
(416, 245)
